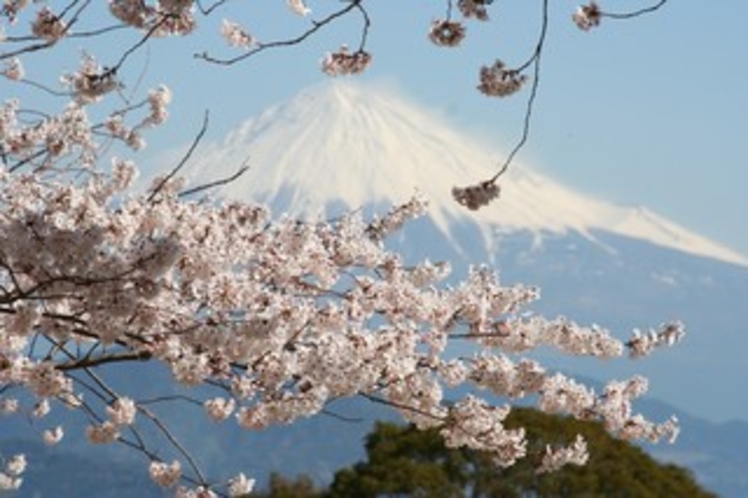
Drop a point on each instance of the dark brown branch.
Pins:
(341, 418)
(636, 13)
(86, 363)
(171, 397)
(127, 53)
(45, 89)
(102, 385)
(26, 50)
(70, 6)
(206, 11)
(365, 29)
(85, 407)
(77, 35)
(535, 60)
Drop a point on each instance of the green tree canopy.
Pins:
(403, 461)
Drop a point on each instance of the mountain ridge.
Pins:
(341, 144)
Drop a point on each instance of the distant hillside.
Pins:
(56, 473)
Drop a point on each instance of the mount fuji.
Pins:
(342, 146)
(338, 147)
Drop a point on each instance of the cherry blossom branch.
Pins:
(499, 81)
(70, 36)
(316, 26)
(589, 16)
(147, 36)
(44, 88)
(139, 444)
(400, 406)
(26, 50)
(527, 119)
(65, 29)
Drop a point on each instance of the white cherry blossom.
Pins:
(299, 7)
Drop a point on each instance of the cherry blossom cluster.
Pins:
(381, 227)
(474, 197)
(11, 9)
(92, 81)
(498, 81)
(474, 8)
(166, 17)
(10, 475)
(71, 135)
(587, 16)
(47, 140)
(299, 7)
(573, 454)
(642, 344)
(344, 62)
(165, 475)
(279, 317)
(158, 100)
(235, 35)
(473, 423)
(13, 69)
(446, 33)
(48, 26)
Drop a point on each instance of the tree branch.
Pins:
(195, 142)
(316, 26)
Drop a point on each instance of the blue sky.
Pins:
(651, 111)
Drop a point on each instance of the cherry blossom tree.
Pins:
(268, 319)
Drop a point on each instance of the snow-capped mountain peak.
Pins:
(341, 144)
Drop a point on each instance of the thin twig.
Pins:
(341, 418)
(174, 442)
(365, 29)
(86, 363)
(148, 35)
(172, 397)
(636, 13)
(198, 138)
(316, 26)
(243, 169)
(535, 60)
(207, 10)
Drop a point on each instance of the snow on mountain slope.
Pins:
(340, 143)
